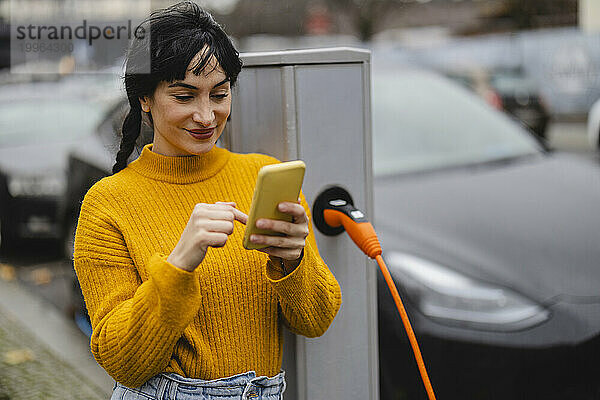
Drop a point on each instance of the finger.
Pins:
(214, 239)
(286, 254)
(270, 250)
(214, 211)
(220, 215)
(288, 228)
(237, 214)
(240, 216)
(229, 203)
(222, 206)
(273, 251)
(294, 209)
(219, 205)
(219, 226)
(278, 241)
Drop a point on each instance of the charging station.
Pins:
(315, 105)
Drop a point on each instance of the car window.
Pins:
(511, 83)
(422, 121)
(110, 129)
(463, 80)
(43, 120)
(110, 126)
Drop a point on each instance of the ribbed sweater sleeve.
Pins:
(309, 296)
(135, 324)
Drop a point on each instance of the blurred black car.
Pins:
(87, 163)
(39, 123)
(510, 90)
(92, 161)
(493, 243)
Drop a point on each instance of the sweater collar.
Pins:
(180, 169)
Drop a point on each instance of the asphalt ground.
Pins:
(30, 369)
(42, 353)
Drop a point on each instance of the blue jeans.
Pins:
(170, 386)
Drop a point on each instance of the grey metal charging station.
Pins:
(314, 105)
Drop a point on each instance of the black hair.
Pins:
(164, 44)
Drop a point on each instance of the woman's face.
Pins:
(190, 115)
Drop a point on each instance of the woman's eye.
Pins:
(220, 96)
(183, 98)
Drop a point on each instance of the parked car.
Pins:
(593, 125)
(510, 90)
(87, 164)
(39, 123)
(490, 238)
(92, 161)
(493, 244)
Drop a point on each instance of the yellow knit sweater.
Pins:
(224, 318)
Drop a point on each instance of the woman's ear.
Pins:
(145, 104)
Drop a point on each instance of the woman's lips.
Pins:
(201, 133)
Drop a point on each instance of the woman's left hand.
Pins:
(288, 247)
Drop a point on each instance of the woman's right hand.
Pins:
(209, 226)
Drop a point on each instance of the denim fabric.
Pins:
(170, 386)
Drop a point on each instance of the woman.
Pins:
(179, 308)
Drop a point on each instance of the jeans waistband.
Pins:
(245, 386)
(240, 379)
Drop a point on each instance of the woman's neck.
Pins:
(180, 169)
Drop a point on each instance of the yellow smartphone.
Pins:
(275, 183)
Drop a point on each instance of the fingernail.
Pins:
(260, 223)
(253, 238)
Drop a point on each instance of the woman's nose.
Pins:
(204, 115)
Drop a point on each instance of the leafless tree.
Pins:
(527, 14)
(365, 13)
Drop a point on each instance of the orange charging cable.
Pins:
(363, 234)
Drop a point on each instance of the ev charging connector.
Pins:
(334, 213)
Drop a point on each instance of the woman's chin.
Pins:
(200, 148)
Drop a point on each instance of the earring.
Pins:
(145, 108)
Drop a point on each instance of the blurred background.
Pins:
(518, 76)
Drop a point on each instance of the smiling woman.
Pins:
(198, 105)
(176, 303)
